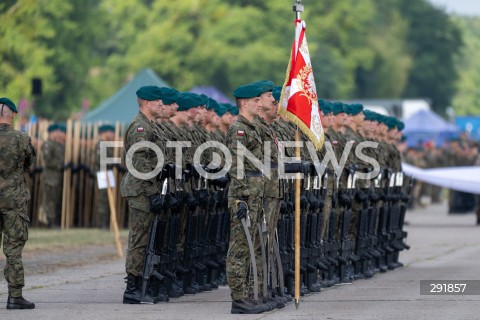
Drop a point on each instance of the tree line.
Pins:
(360, 49)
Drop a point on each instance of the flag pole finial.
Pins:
(298, 8)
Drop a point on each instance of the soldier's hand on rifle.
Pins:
(156, 203)
(242, 208)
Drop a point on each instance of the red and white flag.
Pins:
(299, 101)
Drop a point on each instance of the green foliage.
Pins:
(467, 98)
(89, 49)
(434, 42)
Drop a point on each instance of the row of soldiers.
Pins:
(189, 233)
(454, 152)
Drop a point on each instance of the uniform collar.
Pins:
(245, 121)
(5, 126)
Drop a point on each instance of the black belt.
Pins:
(253, 174)
(273, 165)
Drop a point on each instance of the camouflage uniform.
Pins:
(16, 156)
(137, 191)
(103, 206)
(274, 188)
(251, 186)
(53, 154)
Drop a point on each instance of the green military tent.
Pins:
(122, 106)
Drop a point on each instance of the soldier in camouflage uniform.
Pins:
(107, 133)
(273, 185)
(245, 199)
(16, 156)
(53, 155)
(143, 195)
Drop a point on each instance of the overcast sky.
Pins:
(462, 7)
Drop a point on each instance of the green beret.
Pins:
(202, 100)
(212, 104)
(353, 109)
(264, 85)
(149, 93)
(220, 110)
(325, 106)
(400, 125)
(369, 115)
(277, 92)
(52, 127)
(169, 95)
(337, 108)
(106, 128)
(9, 103)
(247, 91)
(62, 127)
(186, 100)
(403, 138)
(233, 109)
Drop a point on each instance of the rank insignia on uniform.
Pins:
(335, 142)
(140, 129)
(240, 133)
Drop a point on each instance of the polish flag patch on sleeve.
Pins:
(140, 129)
(240, 133)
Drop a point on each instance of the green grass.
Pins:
(51, 240)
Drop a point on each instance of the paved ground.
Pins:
(444, 247)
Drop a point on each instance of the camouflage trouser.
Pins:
(327, 211)
(103, 208)
(272, 214)
(138, 223)
(238, 257)
(14, 227)
(52, 203)
(355, 219)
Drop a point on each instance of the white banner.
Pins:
(466, 179)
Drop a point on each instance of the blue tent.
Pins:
(122, 106)
(426, 125)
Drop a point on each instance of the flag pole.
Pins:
(298, 9)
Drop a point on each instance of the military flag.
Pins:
(299, 101)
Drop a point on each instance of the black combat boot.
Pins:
(133, 291)
(246, 307)
(19, 303)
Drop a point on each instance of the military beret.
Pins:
(220, 110)
(325, 106)
(186, 100)
(400, 125)
(149, 93)
(264, 85)
(169, 95)
(62, 127)
(233, 109)
(52, 127)
(212, 104)
(369, 115)
(202, 100)
(247, 91)
(353, 109)
(9, 103)
(337, 108)
(106, 128)
(277, 92)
